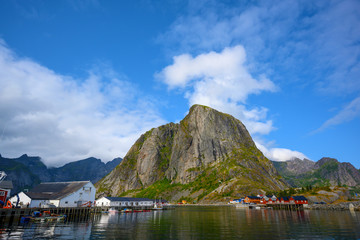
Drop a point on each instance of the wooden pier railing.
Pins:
(13, 215)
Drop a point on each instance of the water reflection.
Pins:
(200, 223)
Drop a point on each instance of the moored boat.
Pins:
(157, 207)
(46, 216)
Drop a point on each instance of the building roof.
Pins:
(285, 198)
(127, 199)
(6, 185)
(299, 198)
(253, 197)
(55, 190)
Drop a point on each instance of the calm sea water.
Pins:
(199, 223)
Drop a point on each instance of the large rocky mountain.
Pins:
(26, 172)
(326, 171)
(208, 156)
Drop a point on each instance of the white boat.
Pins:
(157, 207)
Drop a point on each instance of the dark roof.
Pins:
(55, 190)
(128, 199)
(6, 185)
(299, 198)
(285, 198)
(253, 197)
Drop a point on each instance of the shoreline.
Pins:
(345, 206)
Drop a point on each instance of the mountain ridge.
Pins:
(27, 171)
(324, 172)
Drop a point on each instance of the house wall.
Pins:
(107, 203)
(23, 199)
(4, 193)
(103, 202)
(133, 203)
(39, 203)
(55, 202)
(249, 200)
(76, 199)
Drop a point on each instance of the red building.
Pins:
(299, 200)
(285, 200)
(252, 199)
(5, 189)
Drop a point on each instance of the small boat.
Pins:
(46, 216)
(157, 207)
(127, 210)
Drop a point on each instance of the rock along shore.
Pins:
(335, 207)
(339, 206)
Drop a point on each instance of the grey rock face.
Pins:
(204, 139)
(326, 171)
(298, 166)
(338, 173)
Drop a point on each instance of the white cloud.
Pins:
(64, 119)
(280, 154)
(348, 113)
(222, 81)
(294, 41)
(297, 44)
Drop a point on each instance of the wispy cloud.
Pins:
(312, 43)
(222, 81)
(64, 119)
(280, 154)
(348, 113)
(297, 44)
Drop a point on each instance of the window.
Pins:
(66, 202)
(75, 201)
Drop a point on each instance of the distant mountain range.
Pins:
(326, 171)
(26, 172)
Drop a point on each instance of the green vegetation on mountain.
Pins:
(208, 156)
(325, 172)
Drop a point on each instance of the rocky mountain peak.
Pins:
(326, 160)
(299, 166)
(326, 171)
(205, 142)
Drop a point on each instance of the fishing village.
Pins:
(60, 201)
(69, 201)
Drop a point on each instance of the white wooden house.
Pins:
(23, 198)
(123, 202)
(62, 194)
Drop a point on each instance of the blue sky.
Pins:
(86, 78)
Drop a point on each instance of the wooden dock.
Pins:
(285, 206)
(280, 206)
(13, 215)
